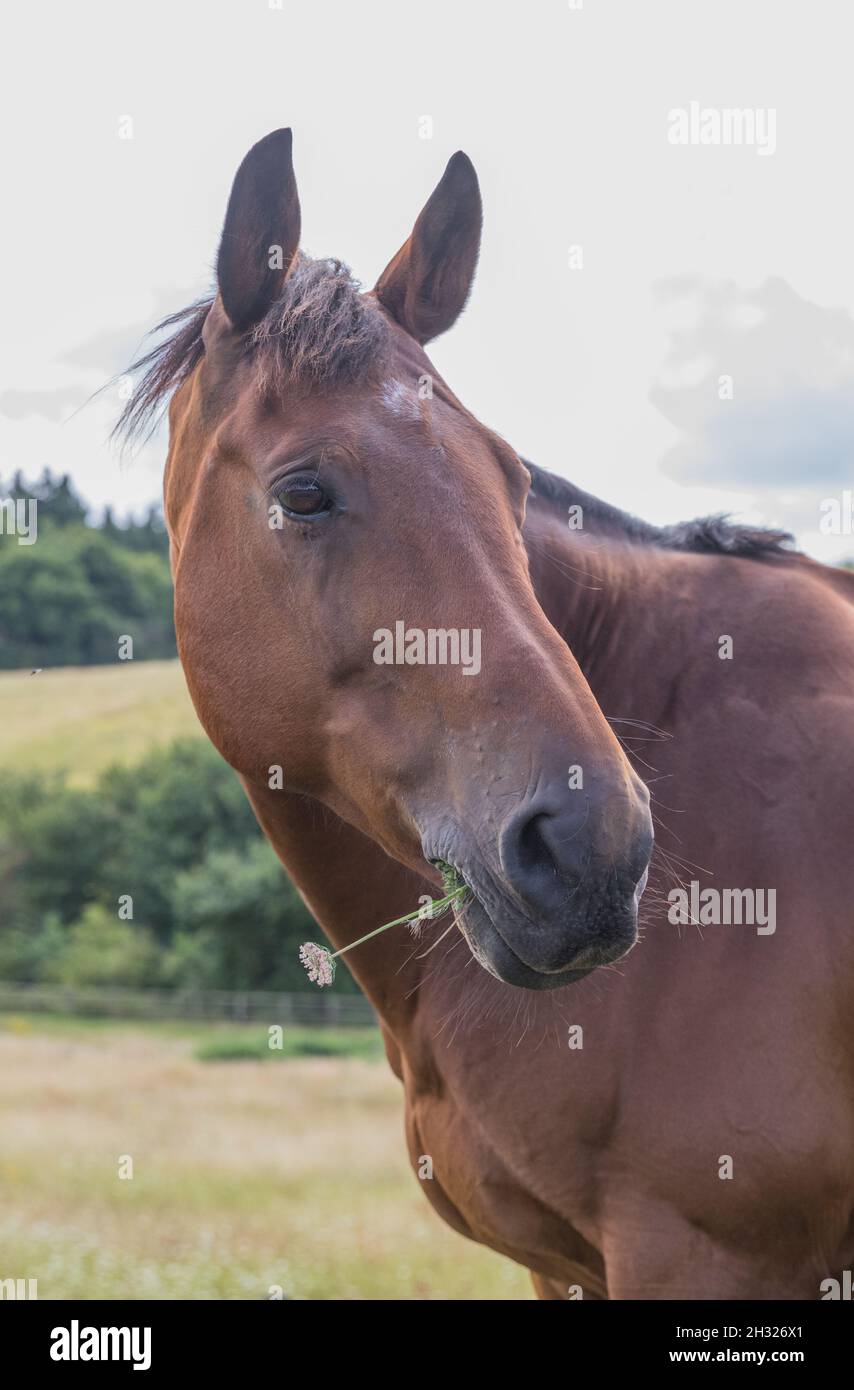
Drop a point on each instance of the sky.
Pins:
(667, 324)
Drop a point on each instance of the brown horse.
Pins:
(680, 1125)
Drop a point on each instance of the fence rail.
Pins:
(250, 1006)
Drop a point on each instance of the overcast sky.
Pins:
(700, 261)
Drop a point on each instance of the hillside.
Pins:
(83, 718)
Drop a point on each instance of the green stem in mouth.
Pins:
(320, 962)
(436, 906)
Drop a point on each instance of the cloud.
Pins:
(95, 362)
(790, 423)
(56, 404)
(112, 350)
(108, 352)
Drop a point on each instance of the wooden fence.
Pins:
(250, 1006)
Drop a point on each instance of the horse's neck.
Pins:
(351, 886)
(598, 591)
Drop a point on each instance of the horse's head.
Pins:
(352, 594)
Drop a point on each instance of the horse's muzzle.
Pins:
(562, 898)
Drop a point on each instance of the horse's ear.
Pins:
(261, 232)
(427, 284)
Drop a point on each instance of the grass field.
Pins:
(82, 719)
(247, 1175)
(251, 1169)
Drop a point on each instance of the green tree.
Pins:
(250, 917)
(101, 950)
(212, 906)
(66, 600)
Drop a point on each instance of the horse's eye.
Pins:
(301, 496)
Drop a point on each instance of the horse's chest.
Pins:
(555, 1157)
(484, 1175)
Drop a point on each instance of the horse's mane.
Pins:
(712, 534)
(320, 331)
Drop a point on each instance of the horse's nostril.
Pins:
(533, 850)
(542, 855)
(563, 855)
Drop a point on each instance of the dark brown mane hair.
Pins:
(320, 331)
(712, 534)
(323, 331)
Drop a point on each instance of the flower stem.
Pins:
(440, 903)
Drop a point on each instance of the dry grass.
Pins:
(246, 1175)
(81, 719)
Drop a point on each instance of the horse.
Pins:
(629, 1102)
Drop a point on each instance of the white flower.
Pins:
(318, 962)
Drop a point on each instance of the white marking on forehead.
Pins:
(400, 399)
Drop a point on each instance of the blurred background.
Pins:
(623, 279)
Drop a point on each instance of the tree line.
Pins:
(156, 876)
(66, 598)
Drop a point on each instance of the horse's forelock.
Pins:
(321, 331)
